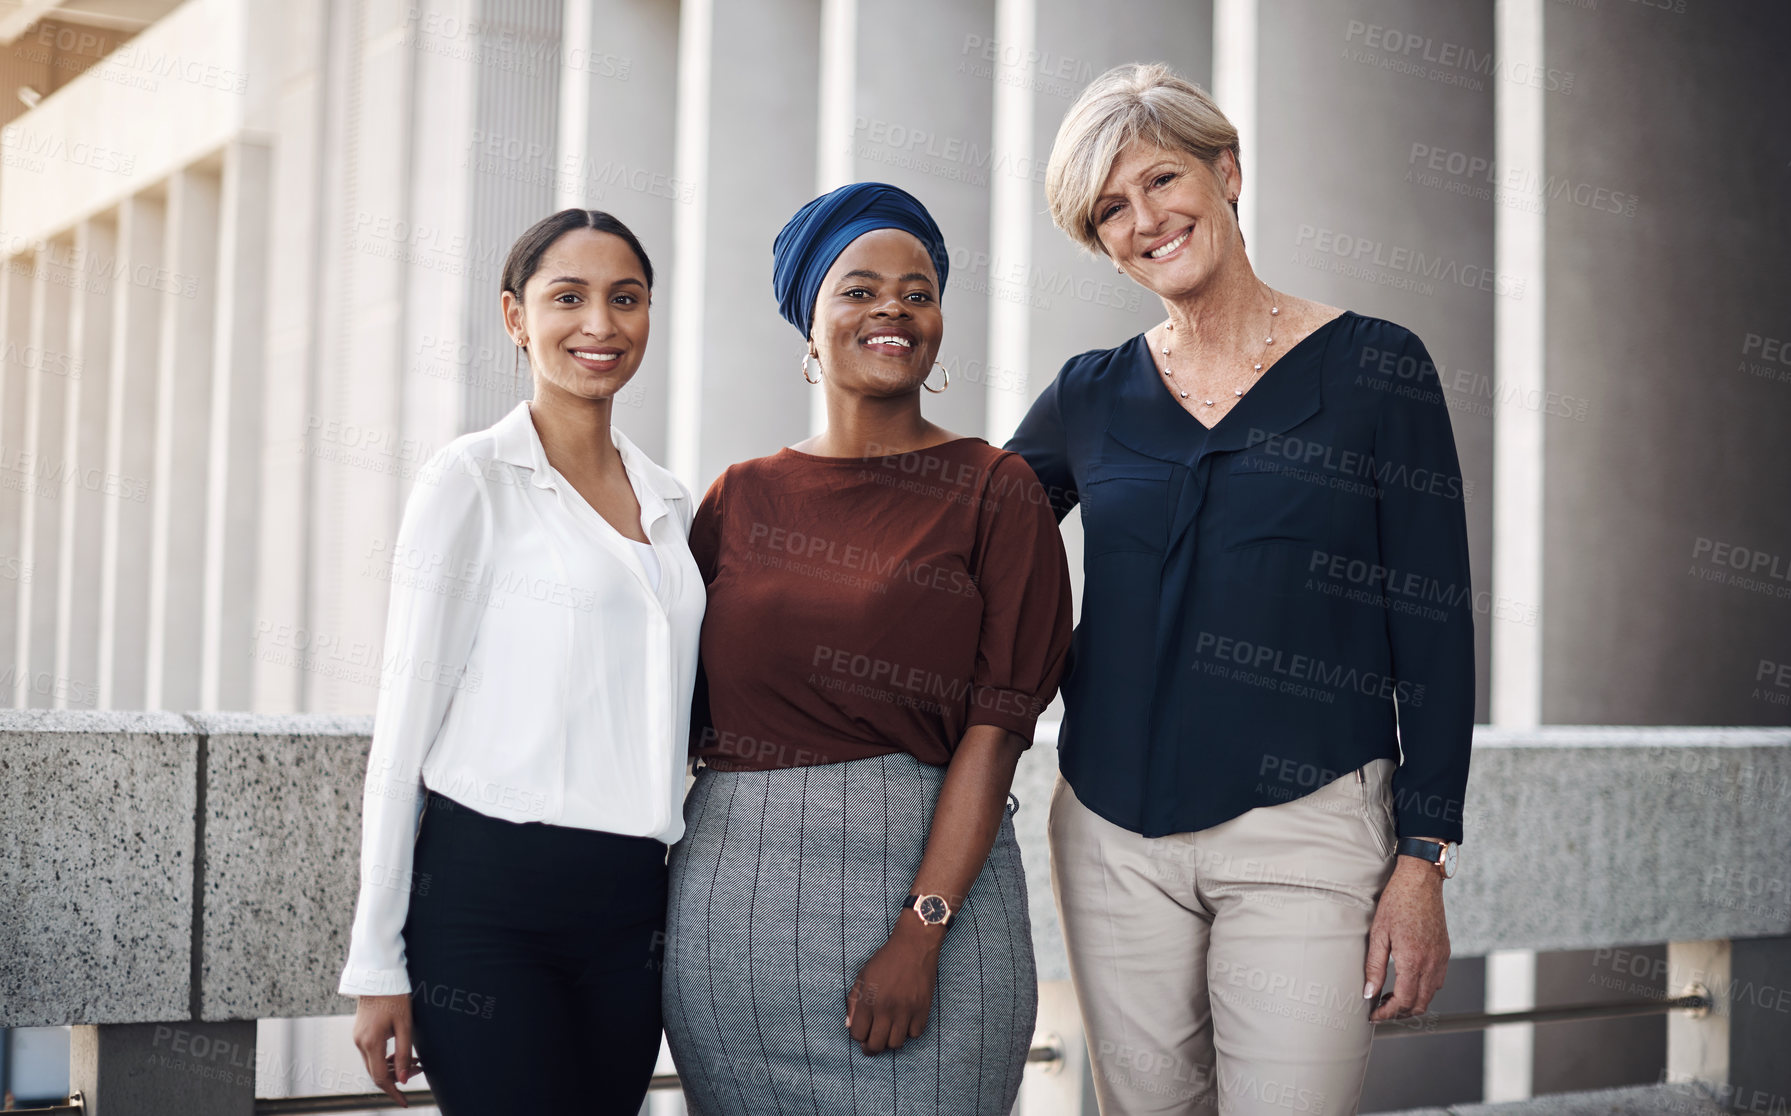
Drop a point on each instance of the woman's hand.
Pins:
(890, 1000)
(1409, 924)
(376, 1019)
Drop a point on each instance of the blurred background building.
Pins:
(250, 282)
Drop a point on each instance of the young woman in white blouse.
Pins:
(527, 765)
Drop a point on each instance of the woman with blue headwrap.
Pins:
(889, 611)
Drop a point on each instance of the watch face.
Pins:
(1448, 861)
(932, 909)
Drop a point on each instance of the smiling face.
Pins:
(1165, 218)
(583, 315)
(877, 323)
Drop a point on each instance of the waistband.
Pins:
(527, 838)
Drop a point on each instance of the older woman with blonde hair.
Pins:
(1270, 701)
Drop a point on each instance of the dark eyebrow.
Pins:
(575, 279)
(861, 273)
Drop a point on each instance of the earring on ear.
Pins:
(805, 375)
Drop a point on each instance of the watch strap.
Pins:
(1431, 852)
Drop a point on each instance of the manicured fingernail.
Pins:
(1368, 991)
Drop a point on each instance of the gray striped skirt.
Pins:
(785, 884)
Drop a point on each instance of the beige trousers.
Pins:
(1222, 970)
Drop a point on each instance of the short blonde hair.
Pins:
(1137, 101)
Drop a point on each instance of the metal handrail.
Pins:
(75, 1105)
(1696, 1001)
(1049, 1053)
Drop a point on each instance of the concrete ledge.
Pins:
(282, 842)
(1635, 1100)
(97, 867)
(1585, 837)
(1578, 838)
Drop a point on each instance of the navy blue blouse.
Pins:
(1269, 604)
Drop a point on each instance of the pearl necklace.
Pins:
(1266, 342)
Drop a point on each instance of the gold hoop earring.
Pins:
(805, 374)
(942, 368)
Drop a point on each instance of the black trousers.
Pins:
(534, 954)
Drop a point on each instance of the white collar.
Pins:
(516, 441)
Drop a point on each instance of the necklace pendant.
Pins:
(1184, 395)
(1208, 402)
(1237, 391)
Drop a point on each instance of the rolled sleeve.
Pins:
(439, 586)
(1024, 580)
(1423, 534)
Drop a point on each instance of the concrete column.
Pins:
(303, 182)
(1698, 1046)
(1066, 1088)
(233, 498)
(736, 385)
(616, 151)
(181, 482)
(940, 148)
(358, 456)
(1236, 60)
(1518, 462)
(15, 326)
(1665, 492)
(165, 1069)
(1508, 1061)
(127, 523)
(80, 535)
(1013, 198)
(513, 98)
(43, 470)
(836, 99)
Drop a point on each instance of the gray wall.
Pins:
(1687, 440)
(1666, 167)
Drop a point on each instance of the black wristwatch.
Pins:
(1439, 853)
(932, 909)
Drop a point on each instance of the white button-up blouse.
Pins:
(532, 670)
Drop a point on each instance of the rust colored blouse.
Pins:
(863, 606)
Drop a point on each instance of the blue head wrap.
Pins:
(820, 231)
